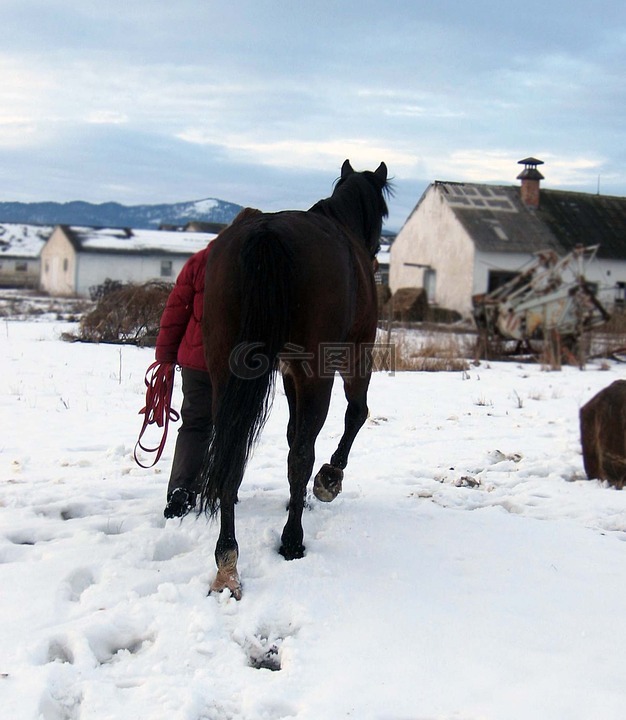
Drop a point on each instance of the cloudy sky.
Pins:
(259, 101)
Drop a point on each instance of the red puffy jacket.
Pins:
(180, 335)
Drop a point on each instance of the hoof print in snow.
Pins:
(65, 706)
(170, 547)
(263, 653)
(60, 651)
(76, 584)
(21, 538)
(74, 512)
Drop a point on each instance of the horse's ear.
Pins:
(381, 173)
(346, 169)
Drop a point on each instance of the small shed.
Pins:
(20, 249)
(76, 259)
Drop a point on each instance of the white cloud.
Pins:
(572, 172)
(314, 155)
(19, 89)
(106, 117)
(16, 132)
(477, 165)
(404, 104)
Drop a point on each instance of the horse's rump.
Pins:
(324, 276)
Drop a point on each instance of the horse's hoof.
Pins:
(327, 483)
(292, 552)
(180, 502)
(224, 581)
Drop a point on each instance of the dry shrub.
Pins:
(437, 352)
(616, 325)
(128, 314)
(609, 339)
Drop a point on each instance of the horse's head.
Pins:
(380, 173)
(359, 199)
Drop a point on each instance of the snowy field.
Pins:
(468, 570)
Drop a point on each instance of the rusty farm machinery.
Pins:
(546, 308)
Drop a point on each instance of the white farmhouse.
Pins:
(76, 259)
(465, 239)
(20, 249)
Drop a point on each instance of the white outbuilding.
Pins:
(75, 260)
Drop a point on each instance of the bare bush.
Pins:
(128, 314)
(437, 352)
(610, 338)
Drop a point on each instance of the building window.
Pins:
(166, 268)
(498, 278)
(21, 266)
(66, 264)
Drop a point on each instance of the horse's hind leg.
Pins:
(290, 387)
(311, 407)
(227, 553)
(328, 481)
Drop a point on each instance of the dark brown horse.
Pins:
(292, 289)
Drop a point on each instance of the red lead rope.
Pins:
(158, 410)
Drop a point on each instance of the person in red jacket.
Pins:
(180, 341)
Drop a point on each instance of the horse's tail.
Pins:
(266, 287)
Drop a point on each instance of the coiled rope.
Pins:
(158, 411)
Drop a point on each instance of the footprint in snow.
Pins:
(264, 653)
(75, 584)
(60, 651)
(58, 705)
(169, 547)
(99, 646)
(264, 648)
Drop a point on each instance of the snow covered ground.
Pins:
(468, 570)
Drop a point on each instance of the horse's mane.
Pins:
(358, 200)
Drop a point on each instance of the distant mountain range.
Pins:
(111, 214)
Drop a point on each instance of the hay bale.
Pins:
(407, 305)
(383, 294)
(442, 316)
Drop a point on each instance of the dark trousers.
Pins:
(194, 433)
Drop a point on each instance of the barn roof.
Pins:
(582, 218)
(138, 242)
(18, 240)
(497, 220)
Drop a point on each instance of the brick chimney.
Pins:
(530, 178)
